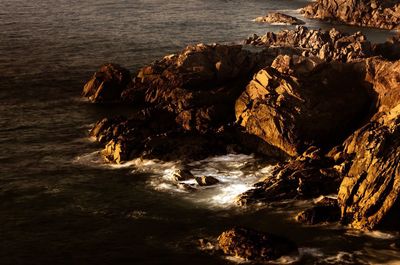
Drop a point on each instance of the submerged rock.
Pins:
(383, 14)
(279, 18)
(253, 245)
(326, 210)
(107, 84)
(207, 181)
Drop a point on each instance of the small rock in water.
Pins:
(186, 187)
(325, 210)
(253, 245)
(207, 181)
(182, 175)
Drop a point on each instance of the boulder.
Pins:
(253, 245)
(326, 210)
(206, 181)
(279, 18)
(182, 175)
(384, 14)
(107, 84)
(304, 103)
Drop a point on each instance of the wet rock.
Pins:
(206, 181)
(383, 14)
(182, 174)
(326, 210)
(302, 178)
(327, 45)
(107, 84)
(253, 245)
(303, 103)
(279, 18)
(186, 187)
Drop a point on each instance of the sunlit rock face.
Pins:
(369, 194)
(383, 14)
(300, 102)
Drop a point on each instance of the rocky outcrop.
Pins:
(369, 193)
(327, 45)
(107, 84)
(300, 102)
(253, 245)
(279, 18)
(308, 176)
(325, 210)
(383, 14)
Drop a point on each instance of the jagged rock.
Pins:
(182, 174)
(107, 84)
(383, 14)
(253, 245)
(199, 85)
(206, 181)
(327, 45)
(325, 210)
(369, 193)
(279, 18)
(309, 106)
(297, 179)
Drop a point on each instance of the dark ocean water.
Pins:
(60, 205)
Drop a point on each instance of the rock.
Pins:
(207, 181)
(383, 14)
(327, 45)
(390, 49)
(107, 84)
(303, 178)
(279, 18)
(326, 210)
(182, 174)
(309, 106)
(252, 245)
(369, 193)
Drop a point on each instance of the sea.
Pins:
(60, 203)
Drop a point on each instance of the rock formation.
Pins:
(383, 14)
(325, 210)
(107, 84)
(327, 45)
(300, 102)
(253, 245)
(279, 18)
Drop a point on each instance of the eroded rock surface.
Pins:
(253, 245)
(383, 14)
